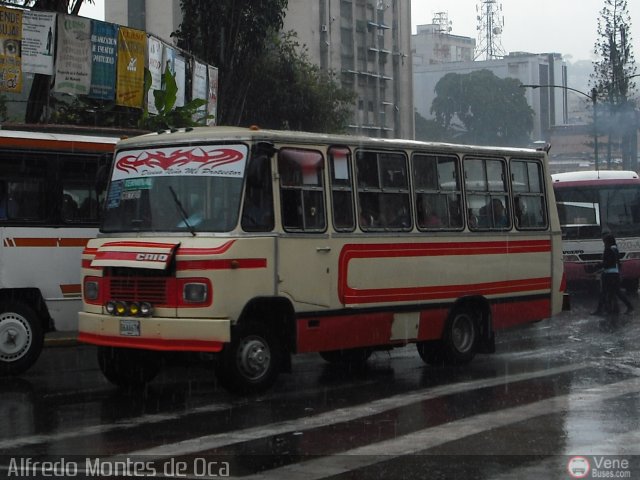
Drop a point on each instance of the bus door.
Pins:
(305, 252)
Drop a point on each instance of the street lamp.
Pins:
(594, 99)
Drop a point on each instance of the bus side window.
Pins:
(341, 189)
(302, 190)
(257, 214)
(529, 202)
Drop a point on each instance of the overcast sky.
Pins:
(568, 27)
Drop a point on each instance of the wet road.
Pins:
(555, 390)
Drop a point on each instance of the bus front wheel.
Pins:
(21, 338)
(458, 344)
(251, 362)
(128, 367)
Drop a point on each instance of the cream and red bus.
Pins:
(589, 204)
(255, 245)
(49, 209)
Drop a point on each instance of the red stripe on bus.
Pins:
(66, 146)
(25, 242)
(404, 294)
(349, 295)
(370, 329)
(158, 344)
(223, 264)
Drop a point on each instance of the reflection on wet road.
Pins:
(560, 388)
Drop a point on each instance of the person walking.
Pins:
(611, 278)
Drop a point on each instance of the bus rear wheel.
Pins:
(128, 367)
(459, 341)
(21, 338)
(251, 362)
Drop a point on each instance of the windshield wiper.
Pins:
(182, 211)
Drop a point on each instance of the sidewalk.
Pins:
(60, 339)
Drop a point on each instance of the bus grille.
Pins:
(132, 289)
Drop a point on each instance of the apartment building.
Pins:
(364, 44)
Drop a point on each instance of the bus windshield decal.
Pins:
(215, 161)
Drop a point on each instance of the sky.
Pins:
(568, 27)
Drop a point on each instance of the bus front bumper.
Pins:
(162, 334)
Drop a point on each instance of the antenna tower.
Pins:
(490, 25)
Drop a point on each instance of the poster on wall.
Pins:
(73, 63)
(38, 42)
(130, 72)
(10, 50)
(104, 40)
(154, 48)
(212, 96)
(199, 88)
(181, 72)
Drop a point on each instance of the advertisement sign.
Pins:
(104, 43)
(38, 41)
(10, 50)
(181, 72)
(73, 64)
(199, 87)
(131, 53)
(212, 100)
(154, 48)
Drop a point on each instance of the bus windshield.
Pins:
(586, 212)
(196, 189)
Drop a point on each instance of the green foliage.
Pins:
(265, 78)
(170, 116)
(480, 108)
(289, 92)
(612, 79)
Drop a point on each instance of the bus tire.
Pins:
(459, 341)
(21, 337)
(128, 367)
(251, 362)
(350, 356)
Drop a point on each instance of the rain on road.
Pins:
(557, 390)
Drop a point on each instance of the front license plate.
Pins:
(130, 328)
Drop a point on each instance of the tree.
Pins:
(491, 110)
(266, 77)
(612, 79)
(311, 100)
(230, 34)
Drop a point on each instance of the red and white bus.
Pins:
(257, 244)
(49, 209)
(593, 202)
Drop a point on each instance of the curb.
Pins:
(60, 339)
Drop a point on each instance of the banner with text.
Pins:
(10, 50)
(38, 42)
(73, 64)
(199, 88)
(131, 55)
(181, 72)
(212, 99)
(104, 44)
(154, 48)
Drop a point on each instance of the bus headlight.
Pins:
(91, 290)
(195, 292)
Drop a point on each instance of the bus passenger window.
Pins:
(529, 202)
(341, 189)
(257, 214)
(302, 190)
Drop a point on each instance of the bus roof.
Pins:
(253, 134)
(595, 176)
